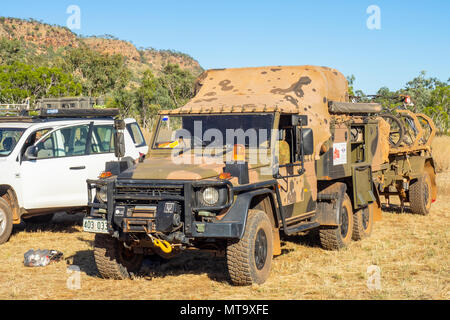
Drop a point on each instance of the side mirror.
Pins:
(119, 144)
(119, 138)
(308, 142)
(31, 153)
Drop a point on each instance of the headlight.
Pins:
(102, 194)
(210, 196)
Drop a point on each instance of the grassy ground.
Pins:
(411, 251)
(441, 153)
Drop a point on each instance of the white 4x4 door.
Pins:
(66, 158)
(138, 143)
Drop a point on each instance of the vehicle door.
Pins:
(57, 177)
(101, 149)
(295, 175)
(139, 146)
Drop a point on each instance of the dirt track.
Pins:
(411, 251)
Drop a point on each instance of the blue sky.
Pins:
(414, 35)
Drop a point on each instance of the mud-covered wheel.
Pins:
(420, 195)
(6, 223)
(249, 260)
(335, 238)
(113, 259)
(363, 223)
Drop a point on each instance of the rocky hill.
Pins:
(40, 37)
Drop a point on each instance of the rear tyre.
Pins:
(363, 223)
(420, 195)
(6, 221)
(249, 260)
(114, 260)
(336, 238)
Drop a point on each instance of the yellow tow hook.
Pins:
(163, 245)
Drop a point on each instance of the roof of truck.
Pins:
(304, 90)
(286, 89)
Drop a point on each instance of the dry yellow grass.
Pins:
(412, 252)
(441, 153)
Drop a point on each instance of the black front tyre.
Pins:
(114, 260)
(6, 221)
(336, 238)
(363, 223)
(249, 260)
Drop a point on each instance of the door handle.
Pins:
(78, 168)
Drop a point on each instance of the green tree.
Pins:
(124, 101)
(20, 81)
(438, 107)
(178, 83)
(420, 90)
(99, 73)
(11, 51)
(146, 97)
(351, 81)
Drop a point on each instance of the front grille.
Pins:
(151, 191)
(136, 194)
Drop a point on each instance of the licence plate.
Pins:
(95, 225)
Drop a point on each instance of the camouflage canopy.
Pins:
(294, 90)
(285, 89)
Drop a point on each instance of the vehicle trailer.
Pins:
(411, 174)
(258, 153)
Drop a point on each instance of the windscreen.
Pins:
(8, 140)
(201, 131)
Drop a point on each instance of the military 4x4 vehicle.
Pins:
(259, 152)
(47, 155)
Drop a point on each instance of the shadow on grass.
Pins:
(395, 208)
(310, 239)
(85, 261)
(192, 262)
(186, 263)
(61, 223)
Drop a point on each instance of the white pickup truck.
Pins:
(45, 162)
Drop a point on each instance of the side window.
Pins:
(136, 134)
(285, 146)
(35, 137)
(66, 142)
(102, 139)
(76, 140)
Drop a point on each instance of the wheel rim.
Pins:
(260, 249)
(127, 257)
(344, 222)
(2, 222)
